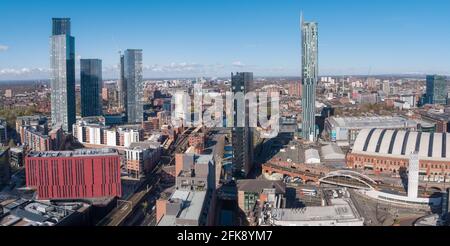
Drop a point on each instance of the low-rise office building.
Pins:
(141, 158)
(193, 202)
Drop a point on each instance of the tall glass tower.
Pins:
(91, 87)
(62, 76)
(132, 60)
(310, 74)
(242, 135)
(436, 89)
(121, 86)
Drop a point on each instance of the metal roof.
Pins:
(372, 122)
(397, 143)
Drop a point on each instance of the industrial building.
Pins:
(389, 150)
(344, 130)
(23, 212)
(84, 173)
(332, 153)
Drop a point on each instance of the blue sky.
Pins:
(217, 37)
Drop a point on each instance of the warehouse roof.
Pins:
(332, 152)
(372, 122)
(398, 143)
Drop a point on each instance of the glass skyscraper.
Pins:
(62, 76)
(121, 85)
(132, 60)
(436, 89)
(91, 87)
(310, 74)
(242, 136)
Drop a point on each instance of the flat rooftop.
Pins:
(75, 153)
(340, 210)
(22, 212)
(192, 205)
(258, 185)
(372, 122)
(144, 145)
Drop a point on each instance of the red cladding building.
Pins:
(84, 173)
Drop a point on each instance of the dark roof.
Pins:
(257, 186)
(28, 215)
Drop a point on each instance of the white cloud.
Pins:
(238, 64)
(3, 47)
(23, 71)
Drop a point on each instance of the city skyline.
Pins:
(263, 38)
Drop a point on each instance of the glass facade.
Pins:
(310, 74)
(134, 85)
(121, 85)
(91, 87)
(250, 200)
(242, 136)
(61, 26)
(436, 89)
(62, 75)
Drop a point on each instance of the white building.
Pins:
(312, 156)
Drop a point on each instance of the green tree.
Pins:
(12, 143)
(144, 206)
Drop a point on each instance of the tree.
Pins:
(144, 206)
(12, 143)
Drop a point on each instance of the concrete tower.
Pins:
(413, 175)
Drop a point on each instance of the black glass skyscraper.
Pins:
(91, 87)
(242, 136)
(62, 76)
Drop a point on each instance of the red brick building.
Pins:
(197, 141)
(387, 151)
(84, 173)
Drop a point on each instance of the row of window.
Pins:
(401, 163)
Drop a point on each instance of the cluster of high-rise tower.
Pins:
(243, 82)
(62, 80)
(130, 91)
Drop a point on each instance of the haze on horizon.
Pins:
(214, 38)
